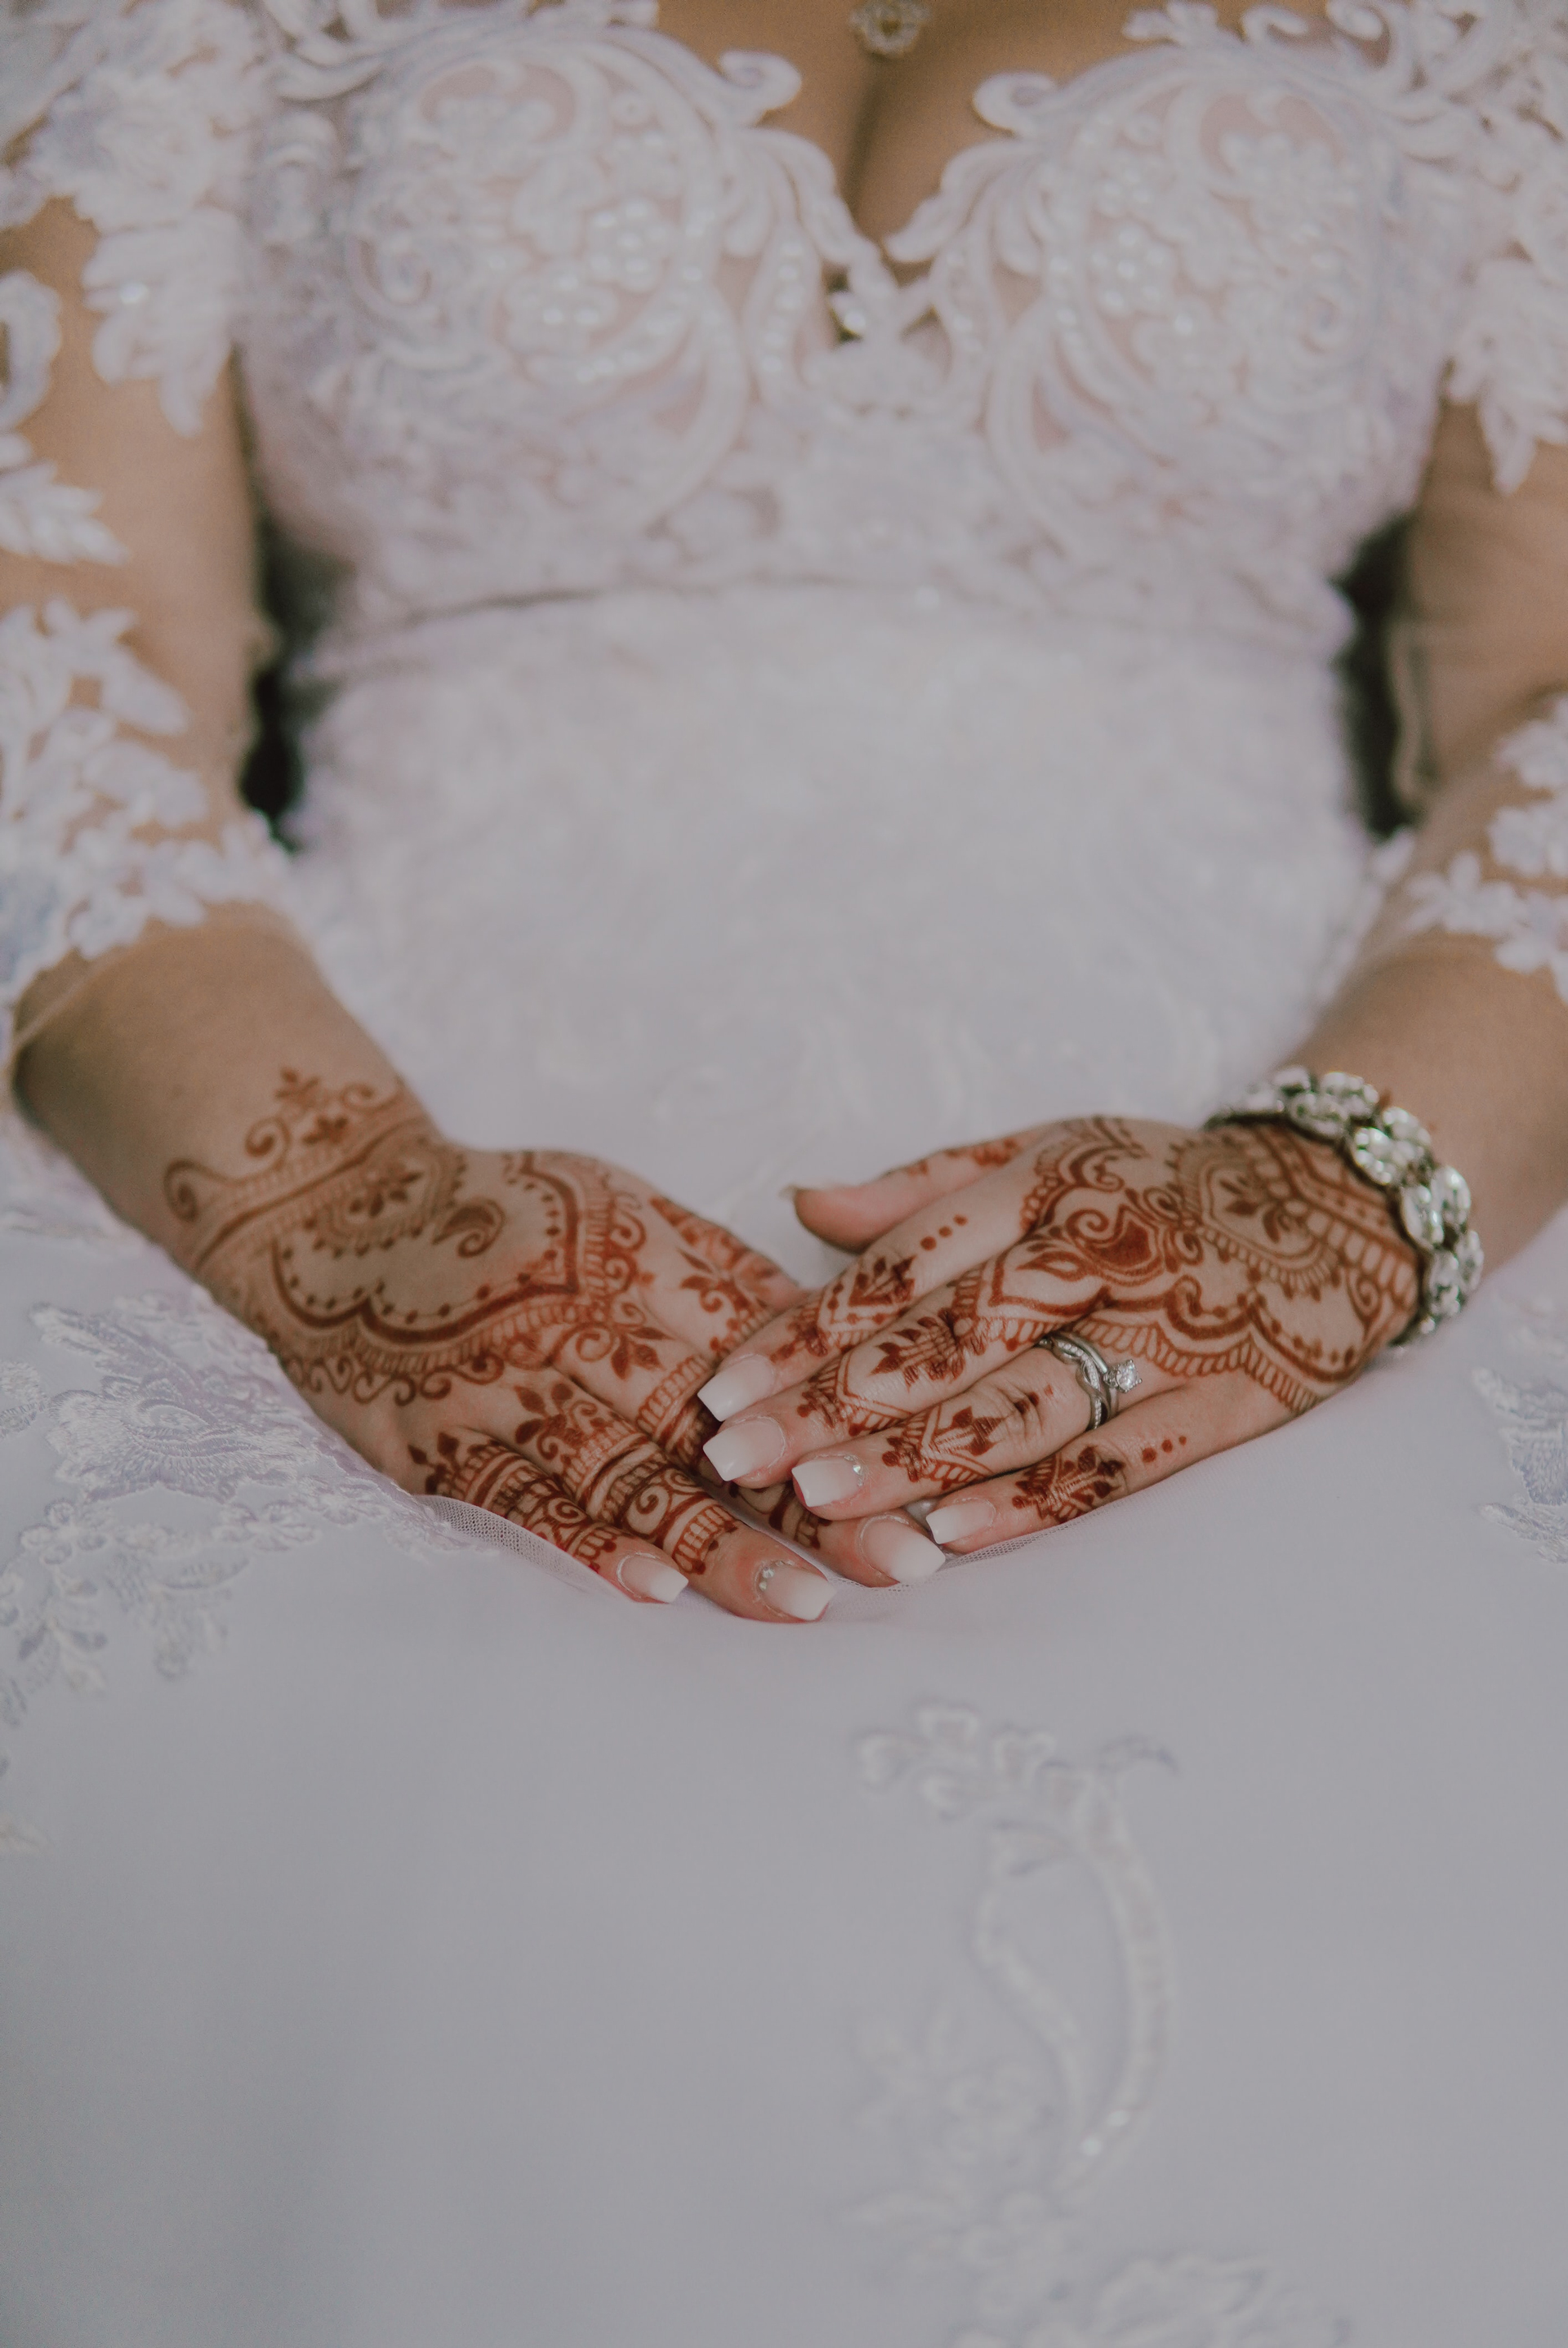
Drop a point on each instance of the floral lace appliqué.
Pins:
(39, 515)
(186, 1404)
(91, 819)
(1011, 2109)
(145, 123)
(1172, 347)
(1530, 925)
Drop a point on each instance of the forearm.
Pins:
(176, 1050)
(1476, 1049)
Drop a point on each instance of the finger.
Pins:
(995, 1314)
(1140, 1446)
(926, 1251)
(1022, 1412)
(621, 1479)
(853, 1214)
(638, 1370)
(723, 1289)
(703, 1290)
(490, 1474)
(881, 1550)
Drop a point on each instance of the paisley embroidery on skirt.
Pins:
(1011, 2108)
(1532, 1421)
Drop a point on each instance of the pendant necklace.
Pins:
(889, 28)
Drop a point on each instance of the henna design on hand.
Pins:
(1250, 1248)
(311, 1248)
(486, 1327)
(490, 1474)
(731, 1282)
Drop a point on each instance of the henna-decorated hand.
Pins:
(1248, 1272)
(523, 1332)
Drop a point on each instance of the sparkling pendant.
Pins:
(889, 28)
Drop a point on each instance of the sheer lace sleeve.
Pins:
(1481, 667)
(128, 625)
(1509, 356)
(1480, 653)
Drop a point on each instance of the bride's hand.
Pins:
(1247, 1271)
(525, 1331)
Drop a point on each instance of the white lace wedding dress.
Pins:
(775, 718)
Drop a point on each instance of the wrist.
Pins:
(1381, 1146)
(179, 1053)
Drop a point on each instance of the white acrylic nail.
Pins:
(821, 1482)
(960, 1521)
(795, 1590)
(741, 1455)
(748, 1379)
(651, 1577)
(895, 1548)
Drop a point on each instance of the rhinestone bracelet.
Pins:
(1432, 1203)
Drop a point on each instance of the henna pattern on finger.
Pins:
(946, 1446)
(490, 1475)
(732, 1282)
(958, 1441)
(864, 1296)
(984, 1156)
(1069, 1484)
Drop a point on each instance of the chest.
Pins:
(550, 298)
(890, 125)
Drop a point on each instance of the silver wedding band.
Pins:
(1105, 1382)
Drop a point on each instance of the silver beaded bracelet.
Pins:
(1390, 1148)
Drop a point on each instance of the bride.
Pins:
(804, 549)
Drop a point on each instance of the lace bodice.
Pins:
(532, 302)
(541, 304)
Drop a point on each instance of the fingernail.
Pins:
(820, 1482)
(795, 1590)
(651, 1577)
(896, 1549)
(960, 1521)
(739, 1454)
(749, 1378)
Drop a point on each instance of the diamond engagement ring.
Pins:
(1103, 1381)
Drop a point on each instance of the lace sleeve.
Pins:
(128, 625)
(1509, 354)
(1481, 668)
